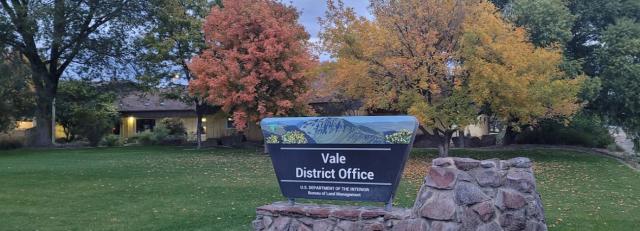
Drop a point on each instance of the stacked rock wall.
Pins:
(457, 194)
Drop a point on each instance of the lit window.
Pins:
(230, 123)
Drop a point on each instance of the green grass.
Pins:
(160, 188)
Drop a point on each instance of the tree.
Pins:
(85, 110)
(169, 45)
(548, 22)
(404, 61)
(514, 80)
(16, 93)
(619, 59)
(255, 61)
(54, 35)
(417, 57)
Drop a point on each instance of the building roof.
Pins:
(139, 101)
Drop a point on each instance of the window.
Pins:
(145, 125)
(230, 123)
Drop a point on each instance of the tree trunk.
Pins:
(509, 136)
(43, 130)
(461, 138)
(445, 143)
(198, 128)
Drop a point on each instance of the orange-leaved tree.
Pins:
(417, 57)
(255, 61)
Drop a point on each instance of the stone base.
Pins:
(457, 194)
(282, 216)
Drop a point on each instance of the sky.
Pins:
(312, 9)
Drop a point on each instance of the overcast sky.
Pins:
(312, 9)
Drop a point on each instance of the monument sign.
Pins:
(358, 158)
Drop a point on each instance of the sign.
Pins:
(357, 158)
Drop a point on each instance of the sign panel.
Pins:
(339, 158)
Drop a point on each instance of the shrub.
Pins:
(11, 143)
(112, 140)
(584, 130)
(95, 124)
(174, 126)
(144, 138)
(159, 136)
(294, 137)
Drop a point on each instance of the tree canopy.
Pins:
(444, 62)
(56, 35)
(255, 61)
(16, 91)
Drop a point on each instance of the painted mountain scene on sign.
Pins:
(340, 130)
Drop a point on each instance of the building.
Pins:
(141, 112)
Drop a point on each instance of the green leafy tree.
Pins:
(16, 94)
(174, 38)
(619, 59)
(85, 110)
(548, 22)
(56, 35)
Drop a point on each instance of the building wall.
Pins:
(215, 126)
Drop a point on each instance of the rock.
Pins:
(534, 209)
(316, 212)
(465, 176)
(466, 164)
(281, 223)
(347, 226)
(488, 177)
(411, 225)
(442, 162)
(509, 199)
(397, 214)
(306, 220)
(512, 220)
(258, 225)
(441, 178)
(346, 214)
(323, 225)
(493, 226)
(491, 192)
(535, 226)
(485, 210)
(440, 206)
(373, 227)
(294, 211)
(522, 181)
(469, 219)
(266, 210)
(488, 164)
(370, 214)
(444, 226)
(503, 165)
(267, 221)
(520, 162)
(304, 228)
(467, 193)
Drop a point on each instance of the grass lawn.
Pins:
(168, 188)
